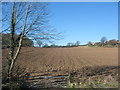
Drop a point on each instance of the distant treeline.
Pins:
(102, 43)
(76, 44)
(6, 41)
(29, 43)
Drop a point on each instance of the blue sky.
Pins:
(84, 21)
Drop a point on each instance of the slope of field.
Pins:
(64, 59)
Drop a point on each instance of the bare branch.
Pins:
(28, 20)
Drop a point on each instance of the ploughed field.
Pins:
(53, 66)
(64, 59)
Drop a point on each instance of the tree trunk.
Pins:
(12, 57)
(12, 48)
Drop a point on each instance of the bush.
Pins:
(6, 41)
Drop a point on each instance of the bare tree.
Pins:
(103, 41)
(70, 44)
(26, 19)
(39, 43)
(89, 43)
(77, 43)
(45, 45)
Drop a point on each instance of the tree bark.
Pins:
(12, 57)
(12, 48)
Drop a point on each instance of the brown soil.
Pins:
(64, 59)
(78, 61)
